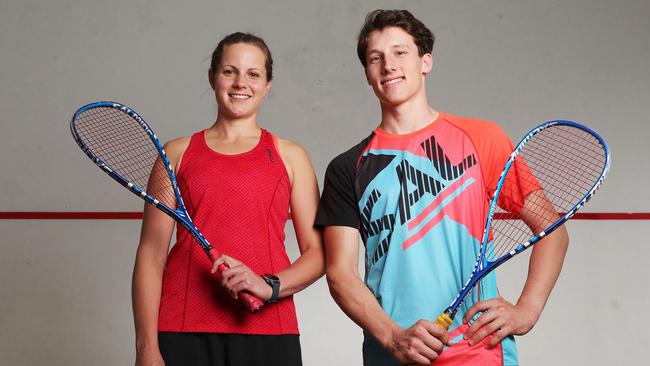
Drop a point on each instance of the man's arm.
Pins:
(502, 318)
(419, 344)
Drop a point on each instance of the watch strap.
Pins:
(274, 282)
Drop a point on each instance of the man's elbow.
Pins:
(336, 277)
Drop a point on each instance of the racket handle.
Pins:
(250, 301)
(445, 319)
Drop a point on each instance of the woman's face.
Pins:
(240, 82)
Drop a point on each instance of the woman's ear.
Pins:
(211, 78)
(268, 87)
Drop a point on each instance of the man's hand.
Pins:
(499, 317)
(420, 344)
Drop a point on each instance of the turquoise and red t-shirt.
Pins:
(420, 202)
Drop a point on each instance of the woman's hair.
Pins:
(247, 38)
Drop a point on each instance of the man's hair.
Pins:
(380, 19)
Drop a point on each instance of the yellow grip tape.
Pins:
(444, 321)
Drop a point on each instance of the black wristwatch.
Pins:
(274, 282)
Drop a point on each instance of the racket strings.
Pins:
(553, 172)
(556, 163)
(125, 147)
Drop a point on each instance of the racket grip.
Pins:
(445, 319)
(249, 300)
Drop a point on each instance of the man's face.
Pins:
(394, 69)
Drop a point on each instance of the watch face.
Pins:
(272, 277)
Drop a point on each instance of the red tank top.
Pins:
(240, 203)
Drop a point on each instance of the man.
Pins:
(417, 190)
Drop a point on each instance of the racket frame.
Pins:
(180, 214)
(483, 266)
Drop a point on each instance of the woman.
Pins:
(238, 182)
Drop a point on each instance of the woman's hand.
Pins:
(238, 277)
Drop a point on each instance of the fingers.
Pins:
(438, 332)
(497, 337)
(421, 343)
(224, 259)
(238, 277)
(495, 323)
(478, 307)
(413, 351)
(419, 354)
(418, 359)
(499, 318)
(228, 274)
(485, 318)
(432, 335)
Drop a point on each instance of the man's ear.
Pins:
(427, 63)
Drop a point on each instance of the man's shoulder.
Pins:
(480, 131)
(472, 125)
(350, 157)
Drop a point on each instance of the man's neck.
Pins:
(407, 117)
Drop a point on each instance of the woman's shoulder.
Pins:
(294, 157)
(290, 145)
(177, 145)
(174, 149)
(291, 150)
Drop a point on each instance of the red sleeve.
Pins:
(519, 183)
(494, 148)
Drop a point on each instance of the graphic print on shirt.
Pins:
(422, 172)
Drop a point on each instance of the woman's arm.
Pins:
(304, 202)
(150, 261)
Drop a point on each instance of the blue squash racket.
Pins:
(560, 164)
(121, 143)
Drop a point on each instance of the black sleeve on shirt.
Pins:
(339, 203)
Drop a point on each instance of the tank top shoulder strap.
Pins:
(268, 139)
(271, 144)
